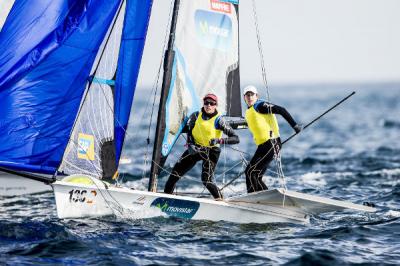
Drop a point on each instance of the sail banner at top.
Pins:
(206, 61)
(48, 51)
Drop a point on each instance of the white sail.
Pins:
(206, 61)
(92, 138)
(207, 47)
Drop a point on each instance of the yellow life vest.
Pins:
(204, 130)
(262, 126)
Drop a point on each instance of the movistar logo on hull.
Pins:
(178, 208)
(213, 30)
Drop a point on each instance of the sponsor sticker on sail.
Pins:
(220, 6)
(213, 30)
(85, 146)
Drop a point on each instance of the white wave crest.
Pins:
(143, 213)
(314, 179)
(385, 172)
(394, 214)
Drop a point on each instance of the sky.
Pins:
(304, 41)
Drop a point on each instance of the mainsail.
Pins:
(205, 59)
(66, 65)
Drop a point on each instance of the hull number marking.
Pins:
(82, 196)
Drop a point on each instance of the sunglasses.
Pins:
(210, 103)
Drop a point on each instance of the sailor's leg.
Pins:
(252, 170)
(250, 182)
(209, 163)
(185, 163)
(263, 162)
(272, 149)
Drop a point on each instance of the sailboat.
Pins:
(69, 72)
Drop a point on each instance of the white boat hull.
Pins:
(12, 185)
(94, 200)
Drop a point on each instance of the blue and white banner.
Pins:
(206, 61)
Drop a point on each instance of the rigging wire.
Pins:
(260, 50)
(156, 86)
(277, 154)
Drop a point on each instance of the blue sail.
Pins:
(132, 43)
(48, 50)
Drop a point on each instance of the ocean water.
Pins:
(353, 153)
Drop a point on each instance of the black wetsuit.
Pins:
(265, 152)
(195, 153)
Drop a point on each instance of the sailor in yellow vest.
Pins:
(261, 120)
(204, 130)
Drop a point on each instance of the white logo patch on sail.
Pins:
(213, 30)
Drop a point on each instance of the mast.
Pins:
(160, 128)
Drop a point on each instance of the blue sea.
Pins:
(352, 153)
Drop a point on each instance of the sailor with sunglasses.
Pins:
(204, 130)
(262, 123)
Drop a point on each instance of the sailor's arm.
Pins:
(189, 127)
(267, 108)
(190, 123)
(238, 124)
(228, 130)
